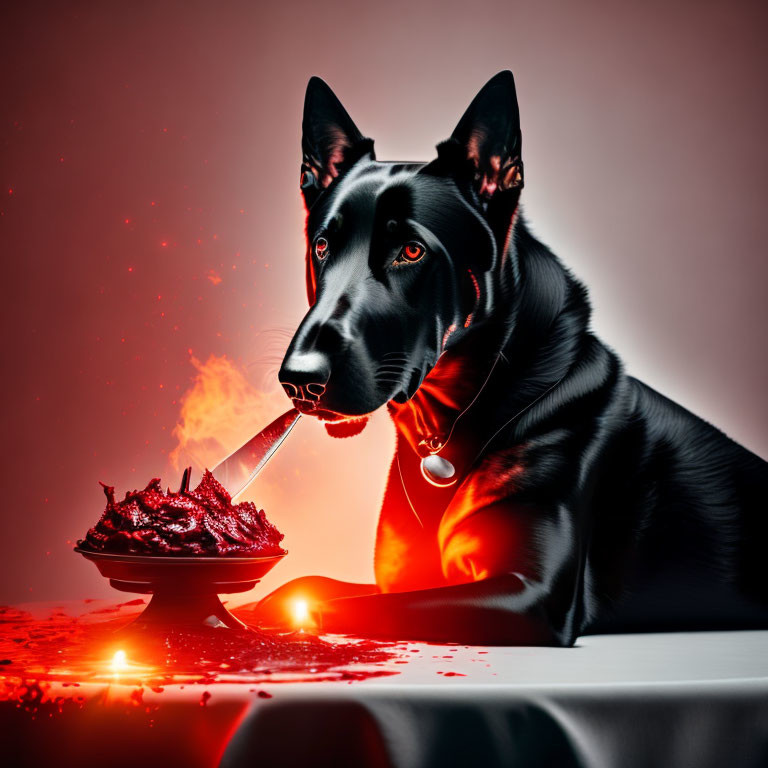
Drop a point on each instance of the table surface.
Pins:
(627, 672)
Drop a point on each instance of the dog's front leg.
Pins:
(519, 566)
(498, 611)
(274, 610)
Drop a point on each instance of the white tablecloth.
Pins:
(697, 700)
(680, 700)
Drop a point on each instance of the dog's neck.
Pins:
(527, 345)
(450, 389)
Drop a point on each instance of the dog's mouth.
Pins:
(336, 424)
(310, 408)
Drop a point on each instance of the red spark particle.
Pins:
(130, 269)
(164, 243)
(127, 221)
(61, 159)
(152, 203)
(10, 190)
(159, 297)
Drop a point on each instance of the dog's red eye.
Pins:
(321, 247)
(411, 252)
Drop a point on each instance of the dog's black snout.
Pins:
(304, 375)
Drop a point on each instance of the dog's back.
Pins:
(680, 523)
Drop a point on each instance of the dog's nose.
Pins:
(304, 375)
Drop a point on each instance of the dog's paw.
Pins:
(346, 428)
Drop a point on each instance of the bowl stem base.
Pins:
(199, 611)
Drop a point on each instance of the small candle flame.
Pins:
(300, 613)
(119, 661)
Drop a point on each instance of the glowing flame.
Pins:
(219, 412)
(300, 610)
(119, 661)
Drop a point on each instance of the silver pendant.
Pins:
(438, 471)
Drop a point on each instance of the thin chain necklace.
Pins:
(442, 472)
(449, 473)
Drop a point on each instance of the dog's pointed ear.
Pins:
(331, 143)
(484, 151)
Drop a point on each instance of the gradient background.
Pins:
(151, 222)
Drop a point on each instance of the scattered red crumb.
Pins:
(264, 695)
(69, 650)
(452, 674)
(204, 698)
(202, 521)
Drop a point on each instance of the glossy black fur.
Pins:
(623, 511)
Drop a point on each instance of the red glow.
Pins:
(476, 286)
(311, 280)
(71, 651)
(447, 335)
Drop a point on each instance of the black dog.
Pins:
(537, 491)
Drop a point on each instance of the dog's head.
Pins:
(402, 258)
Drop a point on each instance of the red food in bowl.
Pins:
(201, 522)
